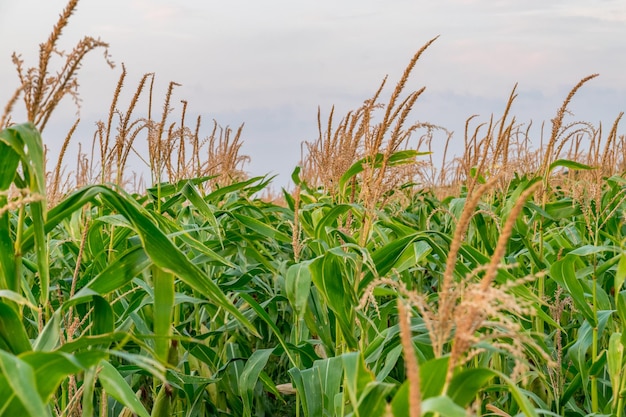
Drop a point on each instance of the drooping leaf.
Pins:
(565, 163)
(115, 386)
(22, 383)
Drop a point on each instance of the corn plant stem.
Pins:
(298, 361)
(365, 228)
(158, 180)
(539, 323)
(176, 312)
(339, 345)
(103, 404)
(363, 340)
(110, 253)
(540, 294)
(88, 391)
(346, 398)
(163, 307)
(297, 404)
(159, 197)
(594, 343)
(111, 246)
(62, 399)
(620, 401)
(18, 251)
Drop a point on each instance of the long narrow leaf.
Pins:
(20, 376)
(118, 388)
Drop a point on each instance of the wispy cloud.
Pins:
(157, 12)
(613, 14)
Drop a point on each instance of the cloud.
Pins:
(611, 12)
(156, 12)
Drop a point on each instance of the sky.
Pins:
(270, 64)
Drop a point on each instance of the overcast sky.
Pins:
(271, 63)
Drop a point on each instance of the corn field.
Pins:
(380, 285)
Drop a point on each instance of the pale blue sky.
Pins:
(271, 63)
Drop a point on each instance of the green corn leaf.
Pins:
(564, 273)
(565, 163)
(391, 254)
(41, 248)
(308, 391)
(167, 190)
(329, 276)
(319, 385)
(466, 385)
(25, 141)
(397, 158)
(157, 246)
(8, 279)
(329, 219)
(250, 376)
(298, 287)
(295, 176)
(522, 400)
(400, 402)
(262, 228)
(620, 301)
(168, 257)
(119, 273)
(194, 197)
(163, 305)
(391, 362)
(329, 373)
(367, 395)
(373, 401)
(620, 274)
(587, 250)
(13, 335)
(433, 376)
(260, 311)
(8, 167)
(49, 338)
(217, 195)
(21, 382)
(17, 299)
(52, 368)
(103, 320)
(615, 356)
(115, 386)
(443, 406)
(357, 376)
(89, 384)
(8, 163)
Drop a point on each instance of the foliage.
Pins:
(194, 303)
(376, 288)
